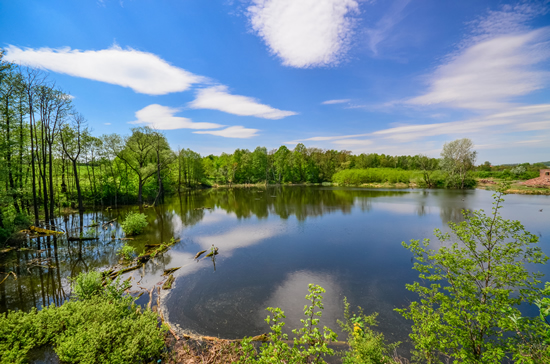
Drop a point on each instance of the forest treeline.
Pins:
(50, 160)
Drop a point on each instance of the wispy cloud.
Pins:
(332, 102)
(232, 132)
(218, 98)
(514, 120)
(162, 118)
(494, 65)
(305, 33)
(383, 27)
(143, 72)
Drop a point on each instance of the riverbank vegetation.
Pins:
(100, 324)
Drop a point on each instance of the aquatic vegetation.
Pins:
(134, 223)
(213, 251)
(101, 326)
(127, 251)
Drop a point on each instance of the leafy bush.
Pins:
(310, 344)
(102, 326)
(127, 251)
(134, 223)
(89, 331)
(91, 284)
(472, 287)
(365, 345)
(87, 285)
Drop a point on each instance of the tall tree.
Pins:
(458, 158)
(71, 141)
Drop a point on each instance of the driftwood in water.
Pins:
(14, 276)
(115, 274)
(151, 246)
(168, 283)
(72, 238)
(170, 271)
(108, 222)
(199, 254)
(213, 252)
(44, 231)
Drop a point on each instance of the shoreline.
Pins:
(516, 188)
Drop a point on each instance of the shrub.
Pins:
(127, 251)
(87, 285)
(365, 345)
(134, 223)
(101, 326)
(91, 284)
(472, 288)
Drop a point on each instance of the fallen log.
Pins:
(72, 238)
(170, 271)
(199, 254)
(44, 231)
(168, 283)
(108, 222)
(115, 274)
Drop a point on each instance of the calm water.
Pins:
(272, 243)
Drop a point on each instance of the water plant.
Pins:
(134, 223)
(127, 251)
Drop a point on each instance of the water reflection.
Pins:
(272, 242)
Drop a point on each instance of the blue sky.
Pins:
(393, 76)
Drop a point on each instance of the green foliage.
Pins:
(101, 326)
(309, 344)
(372, 175)
(127, 251)
(473, 286)
(532, 340)
(93, 283)
(91, 331)
(365, 345)
(134, 223)
(87, 285)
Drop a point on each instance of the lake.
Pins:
(272, 243)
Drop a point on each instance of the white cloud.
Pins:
(162, 118)
(217, 98)
(232, 132)
(304, 33)
(513, 120)
(496, 63)
(489, 74)
(143, 72)
(379, 33)
(332, 102)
